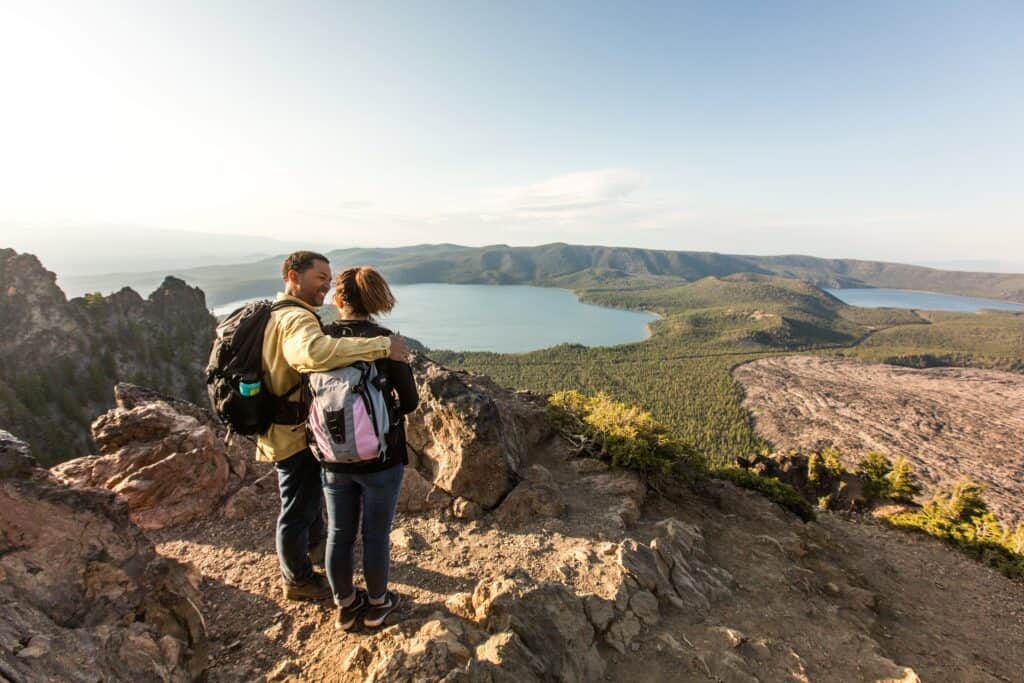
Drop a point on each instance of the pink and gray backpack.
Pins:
(348, 415)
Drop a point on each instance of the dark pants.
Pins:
(300, 526)
(376, 494)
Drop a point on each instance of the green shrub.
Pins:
(875, 467)
(825, 466)
(966, 502)
(1015, 541)
(770, 487)
(629, 436)
(888, 481)
(902, 482)
(963, 520)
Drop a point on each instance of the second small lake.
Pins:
(503, 318)
(928, 301)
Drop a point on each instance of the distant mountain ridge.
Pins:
(571, 266)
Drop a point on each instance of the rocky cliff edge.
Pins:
(517, 559)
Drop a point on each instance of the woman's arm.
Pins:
(307, 349)
(404, 384)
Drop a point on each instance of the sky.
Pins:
(887, 131)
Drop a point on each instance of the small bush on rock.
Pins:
(629, 436)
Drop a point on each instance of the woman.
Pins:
(370, 488)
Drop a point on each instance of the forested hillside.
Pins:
(576, 266)
(60, 359)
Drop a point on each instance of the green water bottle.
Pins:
(250, 388)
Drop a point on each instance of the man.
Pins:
(294, 343)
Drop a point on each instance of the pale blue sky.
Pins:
(873, 130)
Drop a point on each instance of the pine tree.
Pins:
(902, 482)
(875, 467)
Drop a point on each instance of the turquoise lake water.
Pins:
(504, 319)
(929, 301)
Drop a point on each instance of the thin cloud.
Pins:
(569, 192)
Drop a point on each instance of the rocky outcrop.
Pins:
(469, 442)
(166, 459)
(513, 628)
(59, 359)
(542, 628)
(469, 438)
(536, 497)
(84, 595)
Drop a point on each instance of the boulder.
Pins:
(431, 653)
(469, 436)
(16, 459)
(504, 657)
(549, 620)
(697, 581)
(240, 451)
(463, 508)
(167, 465)
(623, 632)
(644, 565)
(599, 610)
(85, 595)
(530, 501)
(419, 495)
(244, 504)
(510, 629)
(645, 606)
(625, 492)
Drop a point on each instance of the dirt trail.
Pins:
(838, 600)
(949, 422)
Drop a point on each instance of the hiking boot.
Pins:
(315, 588)
(347, 616)
(317, 554)
(375, 614)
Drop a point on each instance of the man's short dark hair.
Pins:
(300, 262)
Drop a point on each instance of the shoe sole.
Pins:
(346, 626)
(349, 625)
(306, 598)
(377, 622)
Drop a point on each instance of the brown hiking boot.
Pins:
(316, 588)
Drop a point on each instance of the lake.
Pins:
(504, 319)
(929, 301)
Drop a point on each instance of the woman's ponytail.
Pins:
(364, 291)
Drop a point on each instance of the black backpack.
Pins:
(234, 374)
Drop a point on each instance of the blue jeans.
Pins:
(300, 526)
(376, 493)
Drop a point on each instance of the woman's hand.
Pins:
(399, 349)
